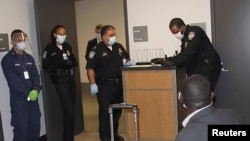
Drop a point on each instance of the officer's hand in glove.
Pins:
(33, 95)
(130, 63)
(93, 89)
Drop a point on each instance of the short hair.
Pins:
(14, 32)
(106, 28)
(196, 90)
(99, 26)
(178, 22)
(54, 30)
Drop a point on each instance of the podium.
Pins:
(154, 90)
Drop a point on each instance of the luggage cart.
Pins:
(123, 106)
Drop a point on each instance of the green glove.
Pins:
(33, 95)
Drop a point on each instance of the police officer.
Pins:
(23, 79)
(104, 74)
(93, 42)
(197, 55)
(60, 63)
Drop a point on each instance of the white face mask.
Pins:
(112, 40)
(21, 46)
(98, 37)
(179, 35)
(60, 39)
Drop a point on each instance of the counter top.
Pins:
(147, 67)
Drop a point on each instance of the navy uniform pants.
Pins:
(66, 90)
(25, 118)
(109, 94)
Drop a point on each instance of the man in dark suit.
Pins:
(93, 42)
(196, 96)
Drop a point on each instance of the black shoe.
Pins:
(119, 138)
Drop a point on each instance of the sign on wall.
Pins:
(140, 33)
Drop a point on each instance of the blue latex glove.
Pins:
(93, 89)
(131, 63)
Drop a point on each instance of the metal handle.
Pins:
(223, 69)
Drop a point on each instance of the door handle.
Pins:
(223, 69)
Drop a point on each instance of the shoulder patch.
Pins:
(91, 54)
(191, 35)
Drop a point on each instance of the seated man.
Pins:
(196, 96)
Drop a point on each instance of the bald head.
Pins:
(196, 92)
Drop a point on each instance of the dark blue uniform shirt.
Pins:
(14, 66)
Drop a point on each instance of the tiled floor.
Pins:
(90, 110)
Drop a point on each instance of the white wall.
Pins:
(17, 14)
(156, 14)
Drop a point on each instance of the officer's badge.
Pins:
(68, 53)
(91, 54)
(120, 51)
(191, 35)
(44, 54)
(94, 47)
(186, 44)
(52, 54)
(104, 54)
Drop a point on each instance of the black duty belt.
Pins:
(112, 81)
(65, 72)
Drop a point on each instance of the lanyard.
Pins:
(23, 63)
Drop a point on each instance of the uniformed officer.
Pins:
(197, 55)
(23, 79)
(104, 74)
(60, 63)
(93, 42)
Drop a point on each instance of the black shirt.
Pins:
(197, 55)
(107, 63)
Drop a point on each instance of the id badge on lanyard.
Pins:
(65, 57)
(26, 75)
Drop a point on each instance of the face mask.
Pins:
(60, 39)
(179, 35)
(98, 36)
(21, 46)
(112, 40)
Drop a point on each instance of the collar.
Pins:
(186, 120)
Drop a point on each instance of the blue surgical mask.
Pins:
(112, 40)
(21, 46)
(60, 39)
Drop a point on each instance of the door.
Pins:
(231, 22)
(48, 14)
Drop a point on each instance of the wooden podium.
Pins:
(153, 89)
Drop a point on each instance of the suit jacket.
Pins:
(196, 128)
(91, 44)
